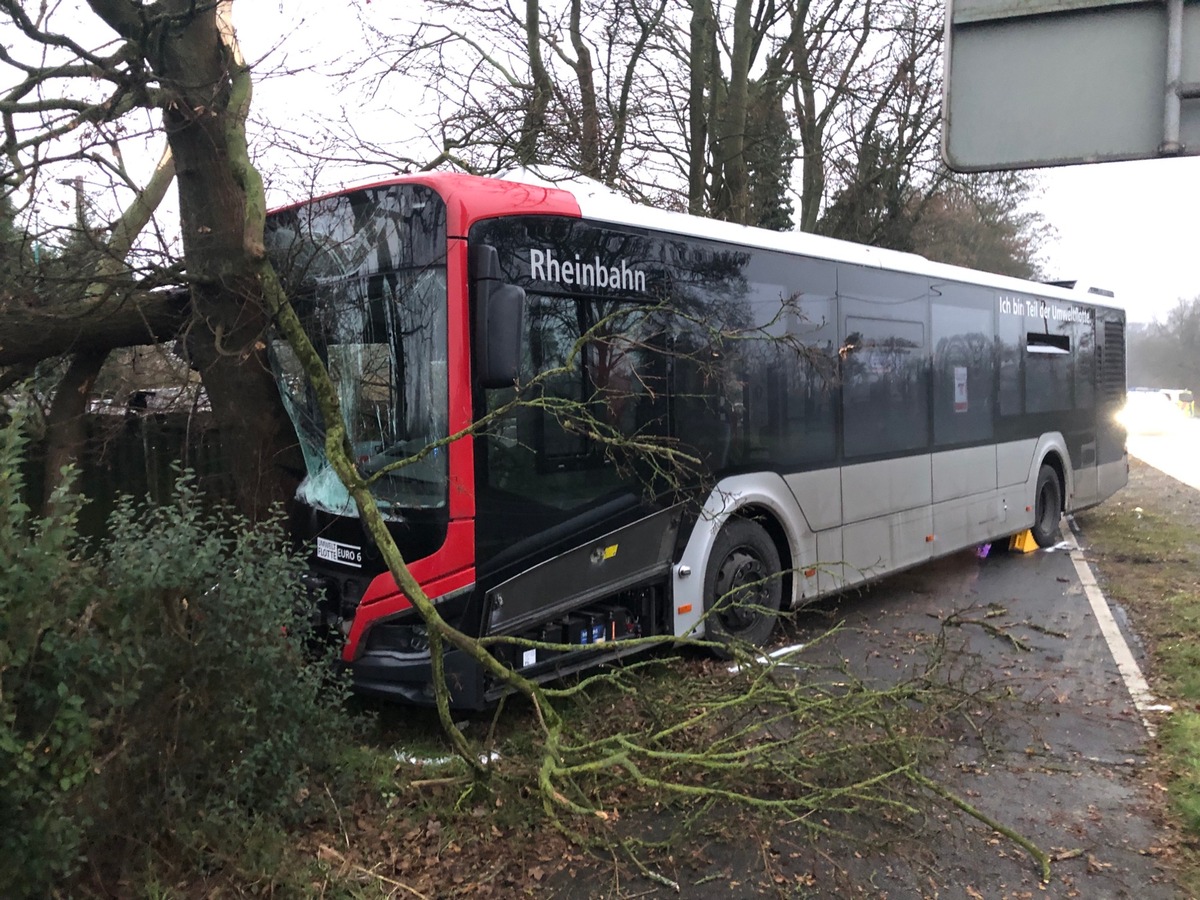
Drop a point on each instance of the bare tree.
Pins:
(517, 85)
(1166, 354)
(178, 60)
(868, 73)
(726, 109)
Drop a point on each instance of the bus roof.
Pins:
(549, 191)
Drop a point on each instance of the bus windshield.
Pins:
(366, 274)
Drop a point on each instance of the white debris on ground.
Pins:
(781, 654)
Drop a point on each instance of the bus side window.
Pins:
(1048, 368)
(808, 370)
(1085, 365)
(885, 386)
(591, 379)
(963, 377)
(554, 333)
(788, 368)
(1011, 363)
(706, 396)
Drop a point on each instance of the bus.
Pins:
(686, 425)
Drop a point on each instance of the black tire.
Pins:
(743, 587)
(1047, 507)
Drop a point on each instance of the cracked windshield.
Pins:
(366, 273)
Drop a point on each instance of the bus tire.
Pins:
(743, 587)
(1047, 507)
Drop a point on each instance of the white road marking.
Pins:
(1131, 673)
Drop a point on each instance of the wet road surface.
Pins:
(1060, 759)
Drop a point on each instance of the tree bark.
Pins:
(31, 334)
(66, 432)
(699, 69)
(542, 89)
(206, 85)
(589, 125)
(730, 149)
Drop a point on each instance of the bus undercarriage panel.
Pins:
(621, 559)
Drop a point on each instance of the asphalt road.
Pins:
(1057, 750)
(1060, 759)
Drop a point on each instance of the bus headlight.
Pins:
(396, 638)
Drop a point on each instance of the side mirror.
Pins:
(499, 351)
(499, 320)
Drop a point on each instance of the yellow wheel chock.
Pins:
(1023, 542)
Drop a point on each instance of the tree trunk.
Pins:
(589, 125)
(193, 50)
(66, 429)
(730, 150)
(700, 66)
(31, 334)
(542, 89)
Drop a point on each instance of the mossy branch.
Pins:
(340, 457)
(1043, 858)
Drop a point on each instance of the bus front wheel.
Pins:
(743, 587)
(1047, 509)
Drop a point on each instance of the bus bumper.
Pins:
(409, 678)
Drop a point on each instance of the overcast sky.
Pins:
(1131, 227)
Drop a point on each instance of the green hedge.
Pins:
(153, 690)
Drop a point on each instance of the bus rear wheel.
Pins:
(743, 587)
(1047, 509)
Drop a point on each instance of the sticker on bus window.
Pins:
(346, 554)
(960, 389)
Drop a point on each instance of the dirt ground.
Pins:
(1156, 493)
(1134, 578)
(1163, 493)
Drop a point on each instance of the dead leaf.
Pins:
(328, 854)
(1058, 854)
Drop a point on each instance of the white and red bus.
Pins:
(854, 411)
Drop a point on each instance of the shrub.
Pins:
(49, 657)
(150, 690)
(227, 707)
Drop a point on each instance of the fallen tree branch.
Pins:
(1043, 859)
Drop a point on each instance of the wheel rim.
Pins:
(741, 590)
